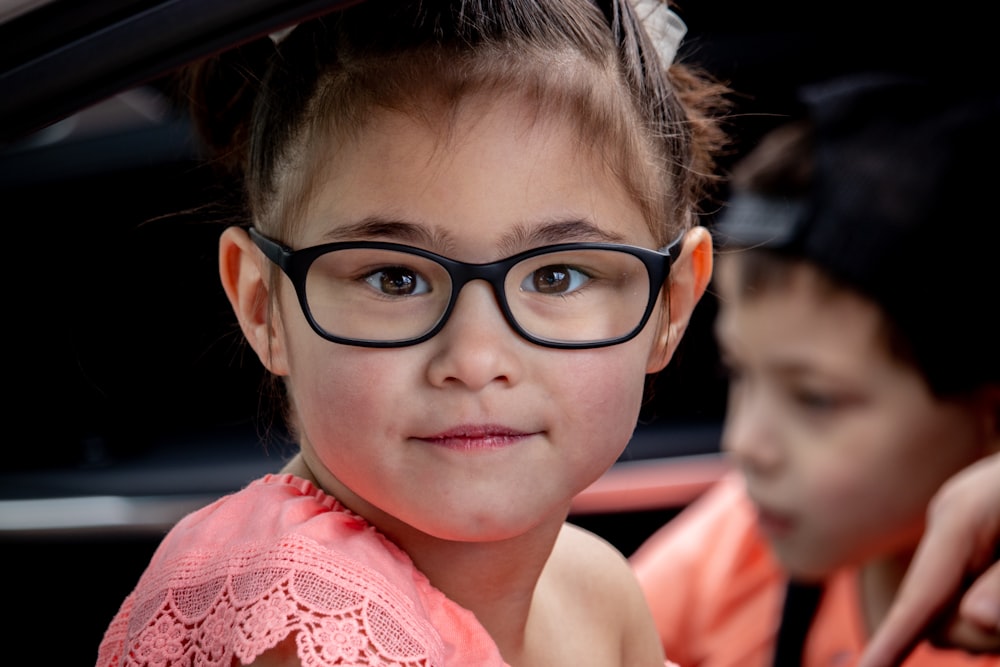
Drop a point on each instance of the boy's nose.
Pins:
(477, 345)
(748, 435)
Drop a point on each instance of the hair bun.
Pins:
(221, 91)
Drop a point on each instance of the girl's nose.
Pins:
(477, 346)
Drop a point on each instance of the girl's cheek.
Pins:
(609, 389)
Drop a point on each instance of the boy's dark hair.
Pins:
(884, 185)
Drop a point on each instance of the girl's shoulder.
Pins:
(281, 558)
(592, 587)
(586, 571)
(579, 552)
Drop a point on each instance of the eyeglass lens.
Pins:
(573, 296)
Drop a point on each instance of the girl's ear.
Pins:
(244, 274)
(689, 278)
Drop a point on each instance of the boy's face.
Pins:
(840, 443)
(475, 434)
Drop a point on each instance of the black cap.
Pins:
(901, 208)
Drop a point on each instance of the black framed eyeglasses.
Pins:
(569, 295)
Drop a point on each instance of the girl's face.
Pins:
(475, 434)
(841, 444)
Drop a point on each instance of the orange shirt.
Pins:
(716, 593)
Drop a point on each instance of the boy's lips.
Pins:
(477, 436)
(774, 524)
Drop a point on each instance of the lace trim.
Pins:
(206, 611)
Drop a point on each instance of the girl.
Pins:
(471, 238)
(857, 292)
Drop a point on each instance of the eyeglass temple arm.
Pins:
(673, 249)
(273, 250)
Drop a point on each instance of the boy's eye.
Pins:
(729, 371)
(397, 281)
(554, 279)
(816, 400)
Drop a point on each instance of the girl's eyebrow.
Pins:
(573, 230)
(521, 237)
(374, 226)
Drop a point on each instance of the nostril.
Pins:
(477, 347)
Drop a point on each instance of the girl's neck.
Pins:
(497, 581)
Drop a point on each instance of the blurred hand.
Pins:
(951, 592)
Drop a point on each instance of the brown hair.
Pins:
(268, 111)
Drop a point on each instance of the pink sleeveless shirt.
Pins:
(280, 558)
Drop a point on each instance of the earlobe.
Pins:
(689, 278)
(245, 281)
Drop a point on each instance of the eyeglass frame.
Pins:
(296, 263)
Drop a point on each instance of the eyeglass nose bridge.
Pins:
(495, 275)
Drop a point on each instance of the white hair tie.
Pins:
(279, 36)
(665, 28)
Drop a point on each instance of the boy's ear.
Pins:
(244, 274)
(689, 278)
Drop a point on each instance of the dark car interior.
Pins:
(128, 414)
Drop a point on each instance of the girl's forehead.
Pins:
(448, 123)
(500, 156)
(579, 97)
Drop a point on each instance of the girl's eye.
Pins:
(555, 279)
(397, 281)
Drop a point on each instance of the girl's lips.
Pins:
(485, 436)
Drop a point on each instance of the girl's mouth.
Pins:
(477, 437)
